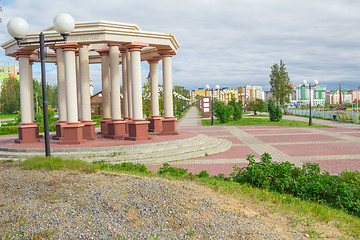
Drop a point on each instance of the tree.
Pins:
(10, 96)
(258, 105)
(147, 97)
(280, 85)
(223, 111)
(238, 109)
(275, 113)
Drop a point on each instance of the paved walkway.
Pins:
(335, 149)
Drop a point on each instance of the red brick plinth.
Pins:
(59, 130)
(104, 126)
(28, 133)
(155, 124)
(116, 129)
(169, 126)
(127, 119)
(73, 133)
(37, 130)
(138, 130)
(89, 130)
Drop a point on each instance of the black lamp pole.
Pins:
(42, 42)
(310, 118)
(212, 107)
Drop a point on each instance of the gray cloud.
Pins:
(228, 42)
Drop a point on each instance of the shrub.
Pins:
(172, 171)
(275, 112)
(238, 109)
(340, 191)
(8, 130)
(223, 111)
(124, 166)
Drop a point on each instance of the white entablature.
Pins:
(97, 33)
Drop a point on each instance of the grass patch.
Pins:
(57, 163)
(6, 116)
(261, 122)
(280, 202)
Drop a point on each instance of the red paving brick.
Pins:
(320, 149)
(296, 138)
(235, 152)
(276, 131)
(234, 140)
(337, 166)
(217, 133)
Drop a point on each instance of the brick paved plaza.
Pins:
(335, 149)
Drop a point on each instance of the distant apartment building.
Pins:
(303, 94)
(223, 94)
(333, 97)
(10, 69)
(249, 93)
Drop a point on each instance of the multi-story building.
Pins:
(333, 97)
(10, 69)
(224, 94)
(250, 93)
(303, 95)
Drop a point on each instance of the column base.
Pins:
(28, 133)
(37, 130)
(116, 129)
(138, 130)
(127, 119)
(155, 123)
(73, 133)
(59, 130)
(89, 130)
(104, 126)
(169, 126)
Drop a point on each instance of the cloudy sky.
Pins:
(226, 42)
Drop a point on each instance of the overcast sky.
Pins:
(227, 42)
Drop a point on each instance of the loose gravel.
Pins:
(74, 205)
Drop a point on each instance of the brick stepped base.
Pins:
(153, 153)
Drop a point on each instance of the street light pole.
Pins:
(316, 82)
(17, 28)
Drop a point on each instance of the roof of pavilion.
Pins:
(98, 34)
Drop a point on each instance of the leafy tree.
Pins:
(280, 85)
(224, 112)
(238, 109)
(51, 95)
(10, 96)
(258, 105)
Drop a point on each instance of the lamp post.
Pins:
(316, 82)
(18, 28)
(212, 101)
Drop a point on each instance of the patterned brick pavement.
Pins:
(335, 149)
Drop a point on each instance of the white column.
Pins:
(154, 87)
(105, 83)
(124, 81)
(129, 84)
(115, 81)
(61, 84)
(78, 84)
(135, 59)
(31, 90)
(167, 81)
(70, 79)
(24, 76)
(85, 83)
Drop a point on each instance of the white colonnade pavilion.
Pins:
(112, 45)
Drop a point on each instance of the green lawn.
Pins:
(261, 122)
(5, 116)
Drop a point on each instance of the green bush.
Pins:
(258, 105)
(224, 112)
(275, 112)
(340, 191)
(52, 128)
(124, 166)
(238, 109)
(166, 169)
(8, 130)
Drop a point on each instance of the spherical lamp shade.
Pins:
(64, 23)
(304, 82)
(207, 86)
(17, 27)
(217, 86)
(316, 82)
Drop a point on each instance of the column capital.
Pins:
(167, 53)
(24, 53)
(153, 59)
(69, 46)
(32, 60)
(135, 46)
(104, 51)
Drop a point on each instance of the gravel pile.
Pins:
(102, 205)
